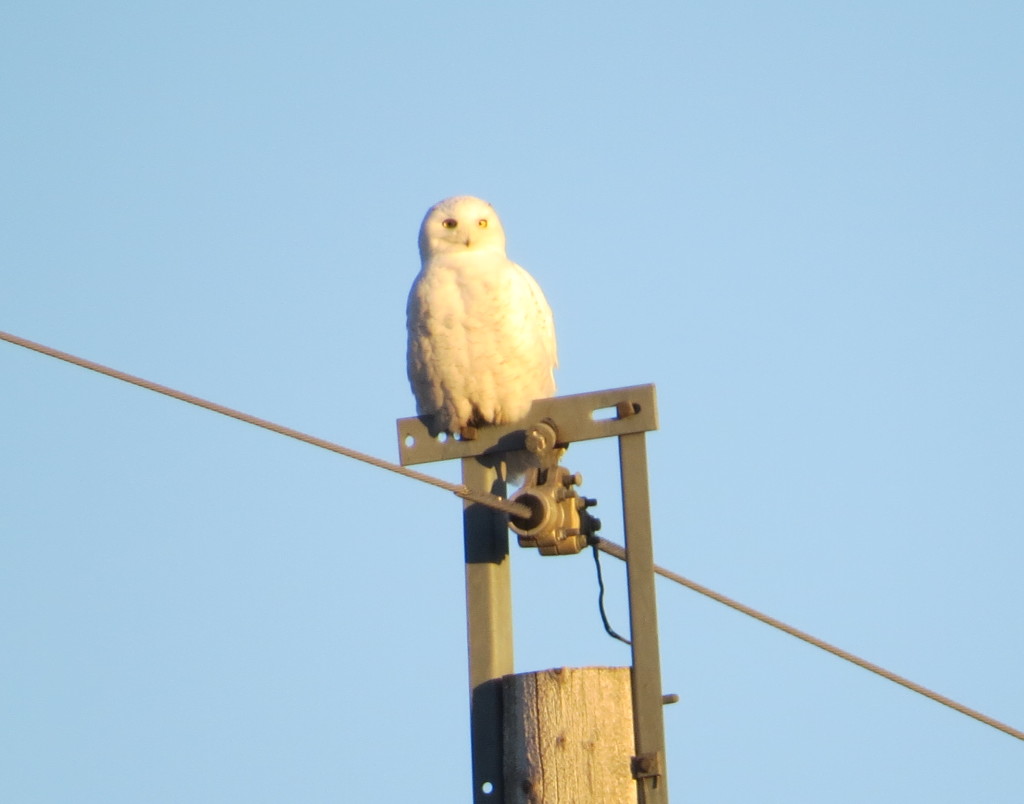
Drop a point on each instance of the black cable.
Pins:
(600, 597)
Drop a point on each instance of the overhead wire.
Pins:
(613, 549)
(501, 504)
(459, 490)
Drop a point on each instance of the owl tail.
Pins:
(512, 466)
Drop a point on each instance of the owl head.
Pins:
(458, 224)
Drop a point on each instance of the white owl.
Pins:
(481, 333)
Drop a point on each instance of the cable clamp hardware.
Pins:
(558, 522)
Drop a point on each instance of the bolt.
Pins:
(541, 438)
(573, 480)
(536, 441)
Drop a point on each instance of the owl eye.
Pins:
(449, 223)
(482, 223)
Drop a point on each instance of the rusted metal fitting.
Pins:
(646, 766)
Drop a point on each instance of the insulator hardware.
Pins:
(558, 523)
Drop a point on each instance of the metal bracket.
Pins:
(558, 525)
(579, 417)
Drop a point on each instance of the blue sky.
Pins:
(801, 221)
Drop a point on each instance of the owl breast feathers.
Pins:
(481, 333)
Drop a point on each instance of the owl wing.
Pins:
(425, 383)
(538, 318)
(545, 320)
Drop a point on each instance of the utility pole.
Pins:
(569, 736)
(557, 525)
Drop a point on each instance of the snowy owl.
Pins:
(481, 334)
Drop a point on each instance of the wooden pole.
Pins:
(568, 737)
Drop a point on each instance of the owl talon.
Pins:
(467, 433)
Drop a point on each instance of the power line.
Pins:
(501, 504)
(458, 490)
(613, 549)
